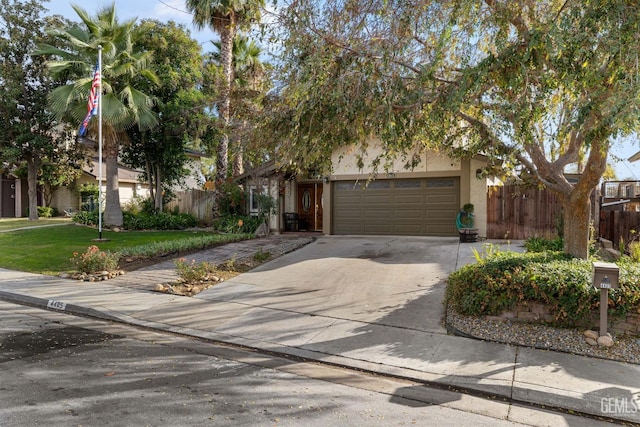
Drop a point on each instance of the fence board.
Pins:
(518, 213)
(198, 203)
(616, 225)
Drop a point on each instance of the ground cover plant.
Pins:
(500, 280)
(49, 250)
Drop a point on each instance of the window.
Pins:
(253, 201)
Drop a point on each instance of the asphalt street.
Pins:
(60, 370)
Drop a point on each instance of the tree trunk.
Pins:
(238, 161)
(32, 182)
(152, 188)
(577, 204)
(577, 219)
(158, 184)
(224, 108)
(112, 209)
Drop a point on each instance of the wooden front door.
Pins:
(310, 207)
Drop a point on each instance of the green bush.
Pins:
(158, 221)
(143, 220)
(538, 244)
(47, 212)
(86, 217)
(501, 281)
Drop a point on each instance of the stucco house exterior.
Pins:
(422, 201)
(14, 200)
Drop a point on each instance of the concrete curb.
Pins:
(298, 354)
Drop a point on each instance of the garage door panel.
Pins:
(409, 214)
(422, 206)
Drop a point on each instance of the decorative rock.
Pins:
(104, 273)
(592, 342)
(159, 287)
(591, 334)
(605, 341)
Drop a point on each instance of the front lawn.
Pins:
(48, 250)
(13, 223)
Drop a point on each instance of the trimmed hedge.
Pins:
(500, 281)
(143, 220)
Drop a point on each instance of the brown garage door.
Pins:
(406, 207)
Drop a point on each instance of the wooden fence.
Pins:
(518, 213)
(199, 203)
(616, 225)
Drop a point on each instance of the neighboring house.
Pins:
(423, 201)
(14, 200)
(129, 183)
(620, 196)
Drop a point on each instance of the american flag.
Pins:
(92, 105)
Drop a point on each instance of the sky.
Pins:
(162, 10)
(166, 10)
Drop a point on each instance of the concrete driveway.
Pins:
(390, 281)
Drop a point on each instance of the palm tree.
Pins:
(123, 106)
(224, 17)
(246, 86)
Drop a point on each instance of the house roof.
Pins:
(266, 169)
(635, 157)
(125, 174)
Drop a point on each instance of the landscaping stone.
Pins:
(605, 341)
(591, 334)
(626, 348)
(591, 341)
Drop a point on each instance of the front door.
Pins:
(310, 207)
(8, 199)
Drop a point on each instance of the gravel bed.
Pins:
(625, 349)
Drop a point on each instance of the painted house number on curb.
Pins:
(58, 305)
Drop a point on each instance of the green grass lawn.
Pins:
(13, 223)
(47, 250)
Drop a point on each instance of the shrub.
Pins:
(501, 281)
(158, 221)
(47, 212)
(86, 217)
(537, 244)
(94, 260)
(193, 272)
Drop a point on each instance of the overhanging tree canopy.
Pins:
(539, 84)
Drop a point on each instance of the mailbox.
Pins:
(605, 275)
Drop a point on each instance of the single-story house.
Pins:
(422, 201)
(14, 200)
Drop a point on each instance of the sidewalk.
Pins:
(572, 383)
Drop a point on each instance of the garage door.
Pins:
(407, 207)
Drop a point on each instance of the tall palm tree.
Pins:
(73, 59)
(246, 86)
(224, 17)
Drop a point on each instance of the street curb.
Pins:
(295, 353)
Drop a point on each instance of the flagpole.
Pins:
(100, 144)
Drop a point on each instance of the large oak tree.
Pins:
(533, 84)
